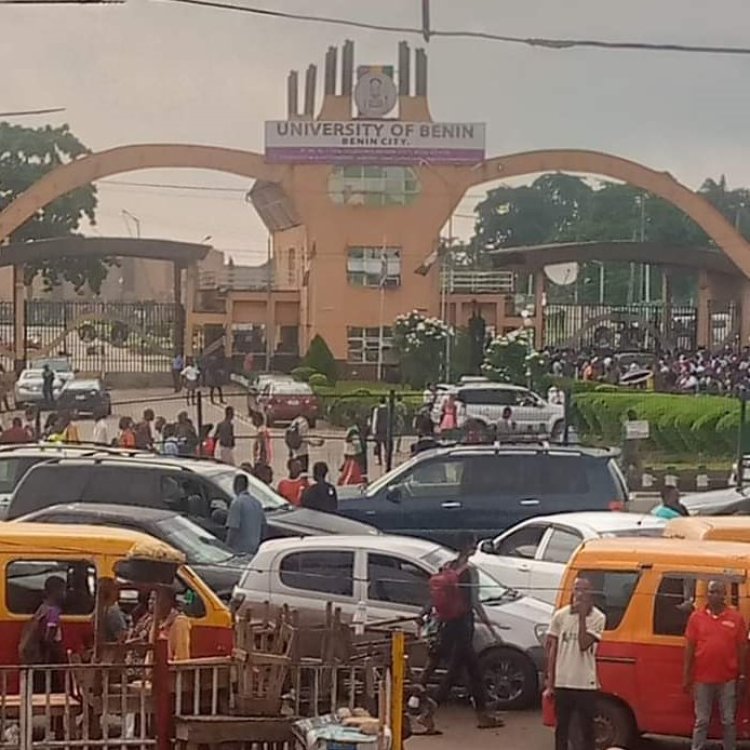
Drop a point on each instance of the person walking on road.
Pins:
(379, 428)
(321, 495)
(715, 665)
(572, 679)
(48, 385)
(298, 440)
(144, 436)
(178, 365)
(15, 433)
(224, 435)
(190, 375)
(352, 470)
(454, 604)
(246, 521)
(261, 441)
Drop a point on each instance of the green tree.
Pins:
(26, 155)
(320, 358)
(419, 343)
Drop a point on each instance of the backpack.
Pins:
(447, 598)
(293, 437)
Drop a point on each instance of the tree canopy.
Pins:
(557, 208)
(27, 154)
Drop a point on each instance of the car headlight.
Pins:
(540, 631)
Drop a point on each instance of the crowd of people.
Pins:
(723, 372)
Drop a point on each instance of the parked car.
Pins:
(485, 401)
(85, 397)
(17, 459)
(28, 388)
(207, 555)
(284, 400)
(201, 490)
(532, 556)
(390, 575)
(729, 501)
(462, 493)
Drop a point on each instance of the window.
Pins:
(613, 591)
(378, 186)
(185, 493)
(25, 579)
(564, 475)
(373, 266)
(673, 604)
(437, 477)
(326, 572)
(512, 474)
(397, 581)
(561, 545)
(11, 471)
(363, 344)
(117, 484)
(522, 543)
(487, 396)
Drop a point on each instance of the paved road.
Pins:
(166, 403)
(523, 730)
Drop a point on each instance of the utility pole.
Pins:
(426, 20)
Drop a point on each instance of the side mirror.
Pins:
(393, 494)
(487, 547)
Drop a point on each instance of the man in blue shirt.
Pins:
(246, 522)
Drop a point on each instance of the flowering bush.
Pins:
(419, 342)
(510, 358)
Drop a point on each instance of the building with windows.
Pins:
(355, 234)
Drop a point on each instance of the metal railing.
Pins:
(242, 277)
(459, 281)
(76, 706)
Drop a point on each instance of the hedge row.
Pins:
(696, 425)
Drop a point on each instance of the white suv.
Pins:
(485, 402)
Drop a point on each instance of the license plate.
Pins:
(81, 397)
(293, 402)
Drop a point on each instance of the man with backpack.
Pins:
(453, 594)
(298, 441)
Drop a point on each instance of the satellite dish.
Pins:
(562, 274)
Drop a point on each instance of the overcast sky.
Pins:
(151, 71)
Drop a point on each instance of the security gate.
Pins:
(625, 327)
(100, 336)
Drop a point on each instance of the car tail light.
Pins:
(617, 505)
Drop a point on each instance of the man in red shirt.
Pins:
(715, 664)
(292, 488)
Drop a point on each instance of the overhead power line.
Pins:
(24, 113)
(545, 42)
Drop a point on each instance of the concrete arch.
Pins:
(594, 162)
(95, 166)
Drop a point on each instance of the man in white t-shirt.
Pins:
(573, 636)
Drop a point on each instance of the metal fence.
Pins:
(643, 327)
(103, 336)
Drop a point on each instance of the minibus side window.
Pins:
(25, 579)
(673, 604)
(613, 592)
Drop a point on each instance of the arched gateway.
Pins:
(340, 211)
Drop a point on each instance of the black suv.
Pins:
(198, 489)
(460, 493)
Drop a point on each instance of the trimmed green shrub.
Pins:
(319, 358)
(303, 374)
(679, 424)
(318, 380)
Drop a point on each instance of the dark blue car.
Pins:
(462, 493)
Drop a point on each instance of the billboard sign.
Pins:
(374, 142)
